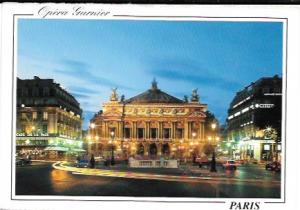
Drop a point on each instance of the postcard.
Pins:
(186, 106)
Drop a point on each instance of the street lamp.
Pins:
(193, 147)
(213, 160)
(92, 125)
(112, 135)
(93, 148)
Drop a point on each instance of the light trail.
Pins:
(138, 175)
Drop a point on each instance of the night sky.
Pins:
(89, 57)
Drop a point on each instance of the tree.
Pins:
(210, 118)
(208, 149)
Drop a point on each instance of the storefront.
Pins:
(260, 150)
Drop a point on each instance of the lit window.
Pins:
(34, 115)
(279, 147)
(267, 147)
(23, 116)
(45, 116)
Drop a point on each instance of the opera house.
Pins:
(151, 124)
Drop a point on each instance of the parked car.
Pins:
(230, 164)
(203, 161)
(23, 161)
(273, 166)
(82, 164)
(222, 159)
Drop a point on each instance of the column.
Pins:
(159, 130)
(146, 149)
(186, 130)
(121, 130)
(104, 128)
(146, 130)
(201, 131)
(134, 127)
(173, 129)
(158, 146)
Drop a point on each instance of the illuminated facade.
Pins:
(152, 123)
(254, 120)
(48, 120)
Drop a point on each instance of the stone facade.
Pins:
(153, 123)
(48, 119)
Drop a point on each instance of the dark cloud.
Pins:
(80, 89)
(79, 95)
(189, 71)
(79, 69)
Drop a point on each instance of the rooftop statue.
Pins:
(114, 96)
(195, 95)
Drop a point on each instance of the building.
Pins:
(254, 120)
(48, 120)
(151, 124)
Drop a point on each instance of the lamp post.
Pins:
(112, 135)
(213, 160)
(95, 138)
(193, 147)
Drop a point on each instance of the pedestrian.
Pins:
(92, 161)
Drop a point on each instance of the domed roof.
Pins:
(153, 95)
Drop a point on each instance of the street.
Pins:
(251, 181)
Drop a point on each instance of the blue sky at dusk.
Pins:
(89, 57)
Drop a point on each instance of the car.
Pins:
(230, 164)
(203, 162)
(82, 164)
(240, 162)
(273, 166)
(23, 161)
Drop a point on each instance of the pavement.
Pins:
(42, 179)
(186, 173)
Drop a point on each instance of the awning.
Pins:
(78, 150)
(62, 149)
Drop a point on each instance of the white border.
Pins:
(155, 10)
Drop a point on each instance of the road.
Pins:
(42, 179)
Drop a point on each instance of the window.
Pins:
(23, 116)
(45, 128)
(179, 133)
(153, 133)
(140, 133)
(278, 147)
(267, 147)
(35, 92)
(127, 133)
(34, 115)
(45, 115)
(166, 133)
(46, 91)
(24, 91)
(112, 132)
(265, 90)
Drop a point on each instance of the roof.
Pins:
(153, 95)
